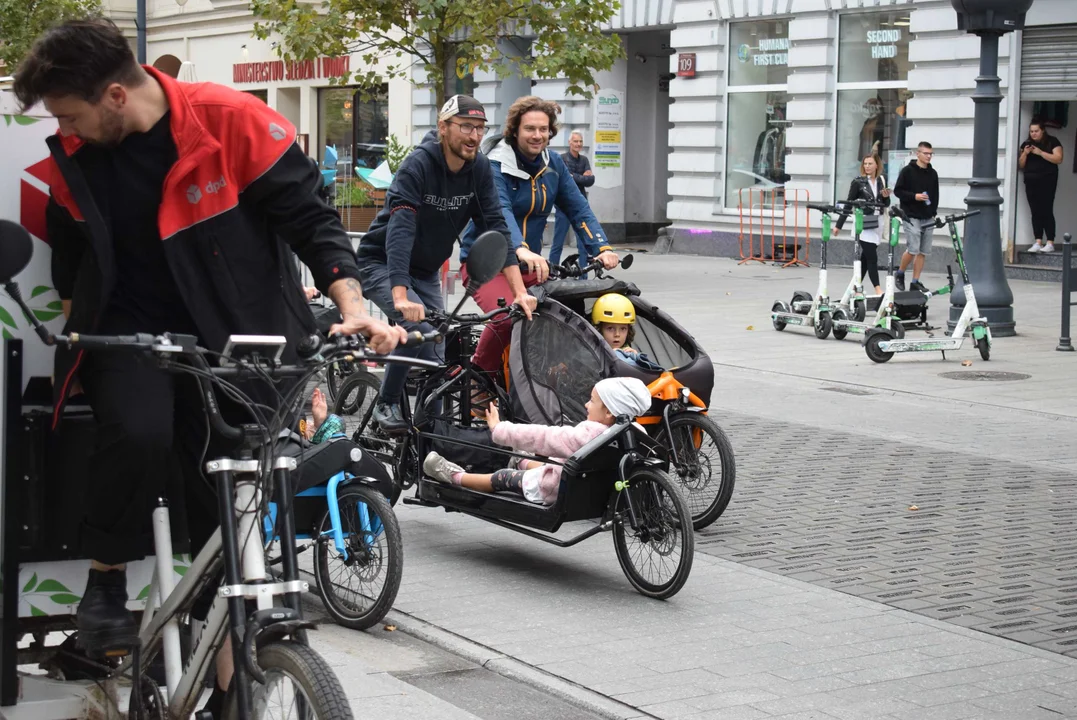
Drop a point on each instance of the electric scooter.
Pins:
(886, 315)
(881, 344)
(853, 300)
(804, 309)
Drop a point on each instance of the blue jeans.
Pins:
(560, 230)
(374, 277)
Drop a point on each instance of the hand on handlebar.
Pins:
(381, 337)
(412, 311)
(609, 259)
(536, 264)
(527, 303)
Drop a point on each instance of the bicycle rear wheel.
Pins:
(299, 684)
(706, 469)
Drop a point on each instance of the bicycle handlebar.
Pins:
(475, 318)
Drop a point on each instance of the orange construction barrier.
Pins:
(764, 223)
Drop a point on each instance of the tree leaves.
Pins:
(39, 290)
(5, 317)
(21, 22)
(482, 35)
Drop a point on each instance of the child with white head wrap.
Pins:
(612, 400)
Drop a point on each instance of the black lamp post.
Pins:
(140, 29)
(990, 19)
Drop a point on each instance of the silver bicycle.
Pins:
(277, 674)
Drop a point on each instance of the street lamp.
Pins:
(990, 19)
(140, 29)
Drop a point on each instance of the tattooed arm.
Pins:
(348, 296)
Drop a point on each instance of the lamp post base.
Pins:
(999, 319)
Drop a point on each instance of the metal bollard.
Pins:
(1065, 344)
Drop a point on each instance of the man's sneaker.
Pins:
(1036, 247)
(918, 286)
(441, 469)
(1049, 247)
(389, 417)
(899, 282)
(105, 625)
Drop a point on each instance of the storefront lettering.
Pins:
(279, 70)
(771, 51)
(883, 43)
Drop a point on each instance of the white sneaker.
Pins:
(441, 469)
(1036, 247)
(1049, 247)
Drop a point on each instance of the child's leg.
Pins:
(507, 479)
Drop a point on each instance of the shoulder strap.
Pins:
(80, 193)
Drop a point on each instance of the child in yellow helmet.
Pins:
(614, 316)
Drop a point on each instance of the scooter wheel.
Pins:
(860, 311)
(897, 330)
(779, 307)
(985, 348)
(800, 296)
(871, 347)
(823, 325)
(839, 331)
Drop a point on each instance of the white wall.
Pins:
(1065, 208)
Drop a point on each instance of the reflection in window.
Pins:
(262, 95)
(755, 143)
(356, 127)
(871, 122)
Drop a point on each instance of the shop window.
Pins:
(872, 95)
(756, 108)
(357, 127)
(262, 95)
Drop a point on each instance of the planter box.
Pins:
(357, 219)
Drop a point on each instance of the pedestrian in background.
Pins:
(1041, 154)
(579, 168)
(917, 189)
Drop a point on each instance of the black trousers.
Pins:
(1041, 201)
(869, 261)
(151, 440)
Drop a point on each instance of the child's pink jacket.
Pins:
(540, 484)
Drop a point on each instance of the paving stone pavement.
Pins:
(968, 539)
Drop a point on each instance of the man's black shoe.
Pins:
(899, 282)
(104, 623)
(918, 286)
(389, 417)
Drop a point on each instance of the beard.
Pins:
(110, 131)
(459, 146)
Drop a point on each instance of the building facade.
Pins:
(716, 102)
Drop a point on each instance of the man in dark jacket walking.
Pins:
(917, 188)
(579, 168)
(441, 186)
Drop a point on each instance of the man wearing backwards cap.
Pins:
(441, 186)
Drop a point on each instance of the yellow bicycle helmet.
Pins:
(613, 308)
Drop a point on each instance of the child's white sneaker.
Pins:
(1049, 247)
(1036, 247)
(441, 469)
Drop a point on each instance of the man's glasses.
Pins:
(469, 129)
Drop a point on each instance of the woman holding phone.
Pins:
(1041, 154)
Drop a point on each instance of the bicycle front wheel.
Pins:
(360, 586)
(656, 555)
(299, 684)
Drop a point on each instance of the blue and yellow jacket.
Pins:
(527, 201)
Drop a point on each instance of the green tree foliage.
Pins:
(441, 35)
(21, 21)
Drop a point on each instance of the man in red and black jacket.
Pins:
(174, 207)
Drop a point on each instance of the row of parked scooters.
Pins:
(894, 311)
